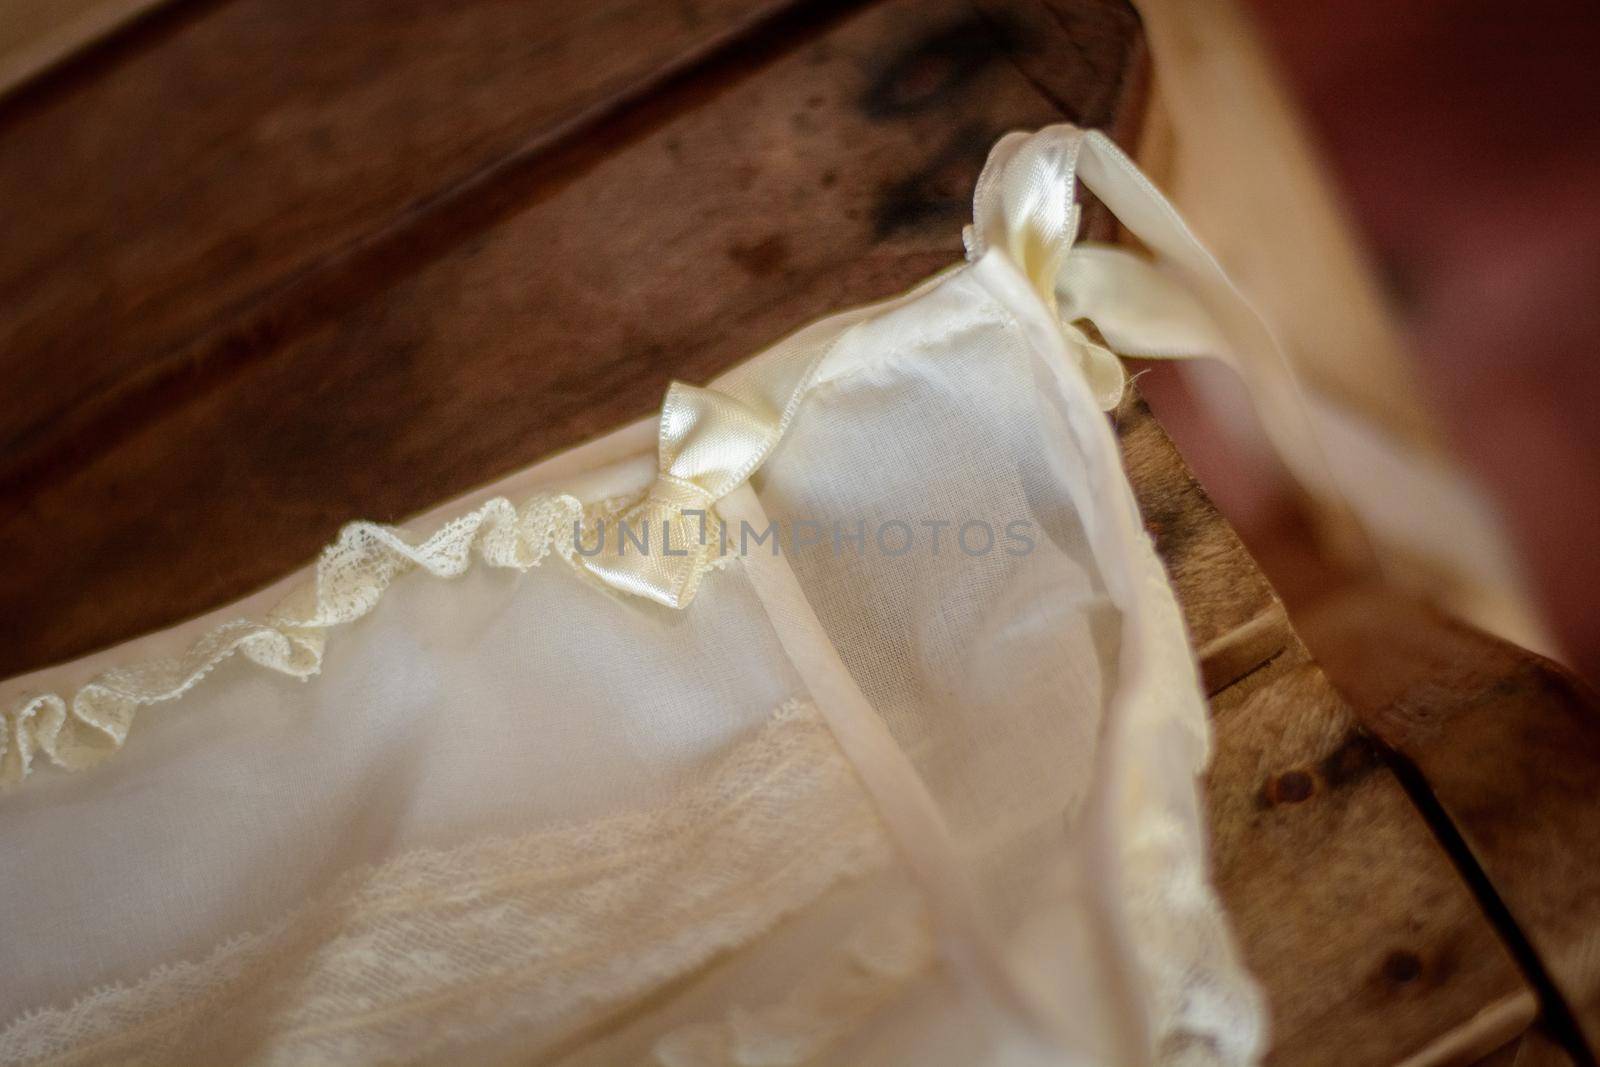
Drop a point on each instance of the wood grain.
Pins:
(442, 243)
(231, 146)
(1533, 1049)
(551, 300)
(1506, 744)
(1370, 948)
(37, 34)
(1236, 623)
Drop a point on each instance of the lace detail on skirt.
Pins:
(1209, 1011)
(541, 937)
(351, 576)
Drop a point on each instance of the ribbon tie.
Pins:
(1180, 306)
(709, 444)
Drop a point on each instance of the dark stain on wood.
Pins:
(1354, 759)
(1500, 748)
(938, 193)
(1401, 967)
(936, 67)
(1329, 873)
(1290, 787)
(924, 78)
(762, 258)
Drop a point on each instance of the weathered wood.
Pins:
(1236, 623)
(380, 324)
(553, 299)
(1506, 744)
(1533, 1049)
(1370, 948)
(37, 34)
(230, 147)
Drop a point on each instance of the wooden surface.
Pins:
(1370, 947)
(1236, 623)
(1533, 1049)
(273, 266)
(1505, 747)
(35, 34)
(267, 330)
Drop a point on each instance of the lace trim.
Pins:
(1211, 1012)
(828, 1005)
(534, 939)
(351, 576)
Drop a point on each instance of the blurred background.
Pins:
(1464, 138)
(1438, 161)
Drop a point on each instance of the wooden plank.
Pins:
(1506, 744)
(1533, 1049)
(37, 34)
(822, 163)
(1236, 623)
(1370, 947)
(551, 301)
(183, 172)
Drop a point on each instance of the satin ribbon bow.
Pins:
(709, 444)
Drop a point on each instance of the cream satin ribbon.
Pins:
(1024, 206)
(709, 443)
(1180, 306)
(1141, 308)
(1172, 308)
(1176, 304)
(711, 440)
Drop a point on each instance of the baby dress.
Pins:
(841, 714)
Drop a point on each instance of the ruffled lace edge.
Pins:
(350, 577)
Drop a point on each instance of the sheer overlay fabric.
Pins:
(884, 751)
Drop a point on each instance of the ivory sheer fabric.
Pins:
(917, 787)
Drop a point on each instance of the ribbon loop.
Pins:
(709, 444)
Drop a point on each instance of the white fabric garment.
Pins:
(918, 788)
